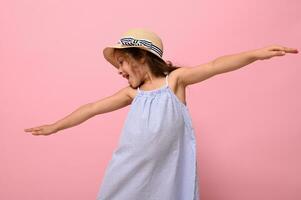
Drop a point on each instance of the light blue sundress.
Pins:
(156, 155)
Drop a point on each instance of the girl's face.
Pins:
(127, 71)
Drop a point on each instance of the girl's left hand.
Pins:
(273, 50)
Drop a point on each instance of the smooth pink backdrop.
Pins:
(247, 121)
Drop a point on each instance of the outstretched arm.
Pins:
(232, 62)
(116, 101)
(227, 63)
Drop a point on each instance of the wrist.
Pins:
(253, 54)
(56, 127)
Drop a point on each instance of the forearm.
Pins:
(76, 117)
(232, 62)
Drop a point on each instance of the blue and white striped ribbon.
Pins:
(128, 41)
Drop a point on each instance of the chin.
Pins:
(132, 86)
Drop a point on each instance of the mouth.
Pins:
(126, 76)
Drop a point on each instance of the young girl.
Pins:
(156, 155)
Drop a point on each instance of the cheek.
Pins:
(126, 67)
(130, 71)
(133, 71)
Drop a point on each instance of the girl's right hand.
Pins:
(42, 130)
(273, 50)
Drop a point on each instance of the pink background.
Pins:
(247, 121)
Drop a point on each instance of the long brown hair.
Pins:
(157, 66)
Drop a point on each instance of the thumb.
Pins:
(280, 53)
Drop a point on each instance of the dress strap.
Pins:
(166, 80)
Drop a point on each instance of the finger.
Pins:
(36, 133)
(29, 130)
(286, 49)
(290, 50)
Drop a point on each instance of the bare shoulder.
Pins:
(174, 78)
(110, 103)
(175, 75)
(129, 92)
(176, 85)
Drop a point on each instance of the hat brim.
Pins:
(109, 50)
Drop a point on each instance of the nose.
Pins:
(119, 71)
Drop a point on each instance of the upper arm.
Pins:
(192, 75)
(116, 101)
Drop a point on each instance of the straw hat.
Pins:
(139, 38)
